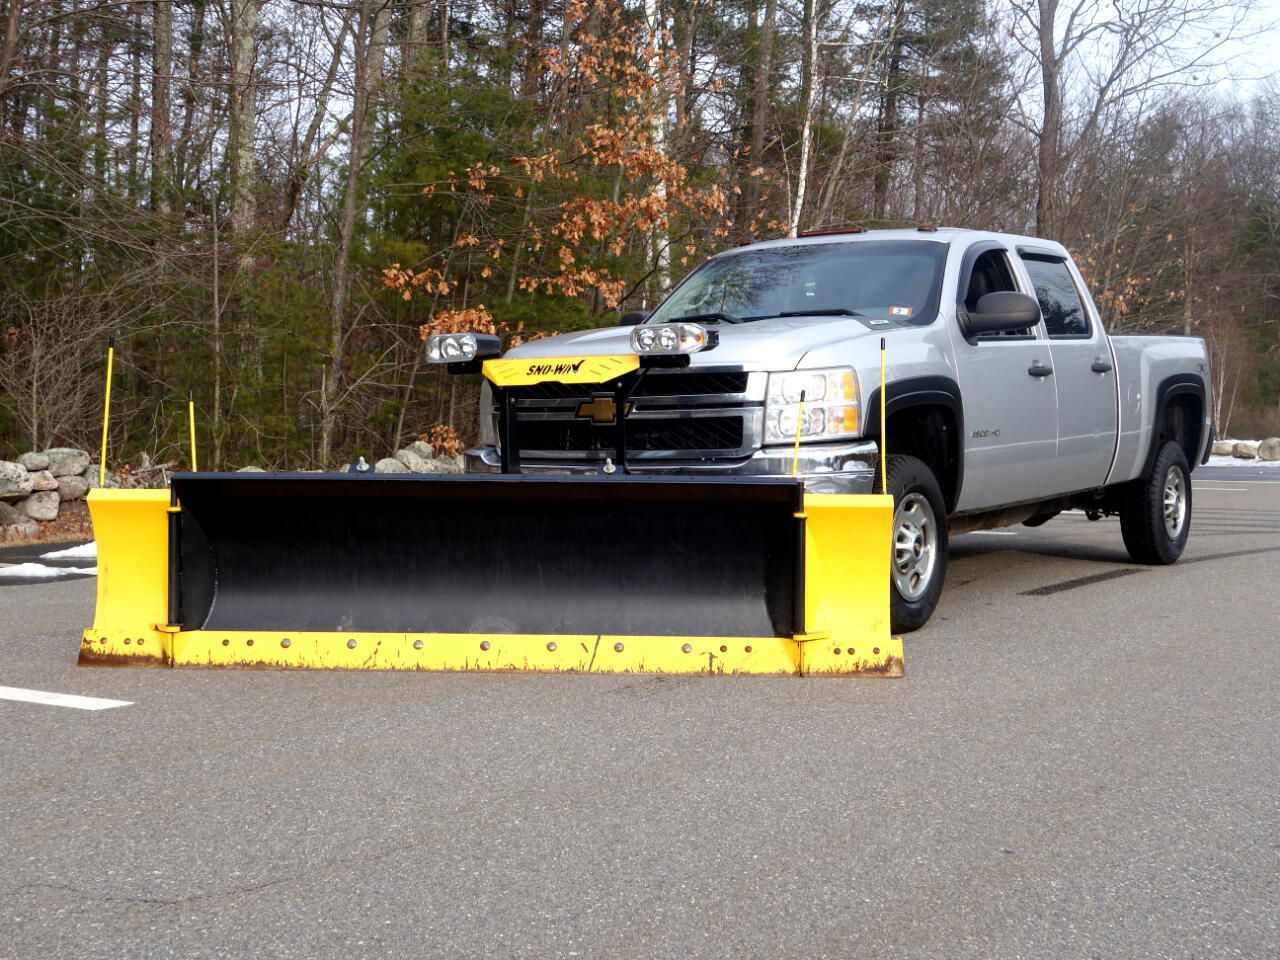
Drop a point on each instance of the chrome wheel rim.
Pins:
(915, 546)
(1175, 503)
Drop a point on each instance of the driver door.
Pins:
(1010, 402)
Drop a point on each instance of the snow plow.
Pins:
(607, 571)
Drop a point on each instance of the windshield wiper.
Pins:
(706, 318)
(829, 312)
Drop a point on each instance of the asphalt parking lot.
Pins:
(1082, 762)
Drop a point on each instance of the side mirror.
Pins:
(1002, 312)
(633, 318)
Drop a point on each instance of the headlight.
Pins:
(461, 347)
(671, 338)
(830, 407)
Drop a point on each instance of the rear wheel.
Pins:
(918, 562)
(1155, 513)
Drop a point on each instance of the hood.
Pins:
(776, 344)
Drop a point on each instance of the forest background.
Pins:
(266, 202)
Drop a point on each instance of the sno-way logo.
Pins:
(552, 369)
(592, 369)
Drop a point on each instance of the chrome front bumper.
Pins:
(824, 467)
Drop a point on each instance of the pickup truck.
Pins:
(1006, 401)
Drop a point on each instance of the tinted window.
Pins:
(1064, 314)
(896, 280)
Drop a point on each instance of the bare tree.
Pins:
(369, 38)
(1087, 56)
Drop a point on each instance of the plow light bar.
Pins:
(462, 347)
(650, 339)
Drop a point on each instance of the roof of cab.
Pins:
(935, 235)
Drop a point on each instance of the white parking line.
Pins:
(1201, 486)
(60, 699)
(995, 533)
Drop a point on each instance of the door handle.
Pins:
(1101, 366)
(1039, 369)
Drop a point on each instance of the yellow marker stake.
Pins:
(191, 417)
(106, 413)
(884, 457)
(795, 456)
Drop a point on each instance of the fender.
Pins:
(1176, 385)
(931, 391)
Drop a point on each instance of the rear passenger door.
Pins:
(1083, 372)
(1010, 407)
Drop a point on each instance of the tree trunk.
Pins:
(161, 133)
(887, 126)
(684, 34)
(133, 177)
(100, 145)
(917, 174)
(1050, 134)
(442, 14)
(9, 43)
(760, 108)
(808, 88)
(244, 20)
(659, 242)
(216, 425)
(184, 160)
(416, 35)
(531, 71)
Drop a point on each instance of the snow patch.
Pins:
(41, 571)
(86, 551)
(1241, 462)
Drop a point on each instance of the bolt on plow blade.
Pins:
(560, 574)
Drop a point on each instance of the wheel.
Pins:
(919, 553)
(1155, 511)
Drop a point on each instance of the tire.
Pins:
(1155, 511)
(918, 555)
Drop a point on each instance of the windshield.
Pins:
(891, 279)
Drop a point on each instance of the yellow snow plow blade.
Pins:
(493, 573)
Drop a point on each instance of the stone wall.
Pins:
(41, 484)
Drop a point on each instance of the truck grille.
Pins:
(704, 433)
(674, 415)
(651, 385)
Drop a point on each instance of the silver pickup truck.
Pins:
(1006, 401)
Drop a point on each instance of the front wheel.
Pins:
(919, 551)
(1155, 513)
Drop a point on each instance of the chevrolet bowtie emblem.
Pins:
(602, 409)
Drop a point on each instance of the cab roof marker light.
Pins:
(462, 347)
(833, 233)
(668, 339)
